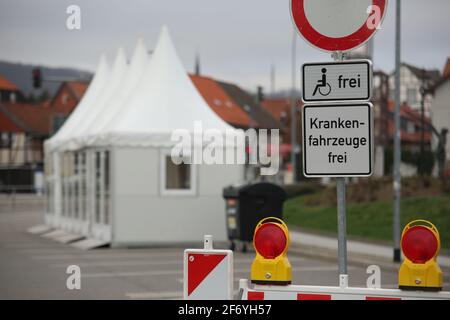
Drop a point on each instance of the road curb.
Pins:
(357, 259)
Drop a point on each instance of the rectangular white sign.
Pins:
(337, 81)
(337, 140)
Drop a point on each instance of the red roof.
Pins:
(276, 107)
(446, 72)
(78, 88)
(408, 113)
(34, 119)
(219, 101)
(5, 84)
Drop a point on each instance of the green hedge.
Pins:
(424, 163)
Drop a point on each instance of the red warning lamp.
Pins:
(270, 240)
(420, 244)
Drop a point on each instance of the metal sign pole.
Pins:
(341, 217)
(294, 110)
(397, 139)
(342, 232)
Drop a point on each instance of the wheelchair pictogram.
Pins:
(323, 86)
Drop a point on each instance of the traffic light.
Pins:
(261, 96)
(420, 244)
(37, 79)
(271, 241)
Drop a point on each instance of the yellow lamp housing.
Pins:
(271, 242)
(420, 245)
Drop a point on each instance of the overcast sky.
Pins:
(237, 39)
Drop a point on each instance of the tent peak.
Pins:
(120, 62)
(102, 65)
(140, 52)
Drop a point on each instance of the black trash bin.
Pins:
(247, 204)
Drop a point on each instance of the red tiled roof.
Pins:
(446, 72)
(277, 106)
(78, 88)
(408, 113)
(5, 84)
(34, 119)
(219, 101)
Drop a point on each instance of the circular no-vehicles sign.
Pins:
(337, 25)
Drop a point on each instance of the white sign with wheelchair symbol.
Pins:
(337, 81)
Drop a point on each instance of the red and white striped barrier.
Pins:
(208, 273)
(293, 292)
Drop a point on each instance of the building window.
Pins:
(12, 97)
(411, 96)
(403, 124)
(5, 141)
(177, 179)
(411, 127)
(392, 94)
(64, 99)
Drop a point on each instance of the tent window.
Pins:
(76, 186)
(64, 184)
(106, 181)
(97, 186)
(83, 185)
(177, 179)
(178, 176)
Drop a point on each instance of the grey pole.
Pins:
(397, 140)
(294, 109)
(342, 230)
(341, 217)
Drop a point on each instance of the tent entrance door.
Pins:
(101, 222)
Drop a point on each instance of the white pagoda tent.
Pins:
(129, 191)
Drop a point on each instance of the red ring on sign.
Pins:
(328, 43)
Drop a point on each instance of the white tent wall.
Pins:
(53, 216)
(88, 213)
(110, 172)
(143, 215)
(74, 211)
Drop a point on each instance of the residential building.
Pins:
(23, 129)
(412, 80)
(65, 100)
(220, 102)
(9, 92)
(441, 110)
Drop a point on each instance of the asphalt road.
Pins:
(33, 267)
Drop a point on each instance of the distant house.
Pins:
(65, 100)
(411, 128)
(280, 109)
(23, 128)
(259, 117)
(412, 79)
(220, 102)
(441, 107)
(234, 105)
(9, 92)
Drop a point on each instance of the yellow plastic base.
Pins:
(427, 276)
(271, 271)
